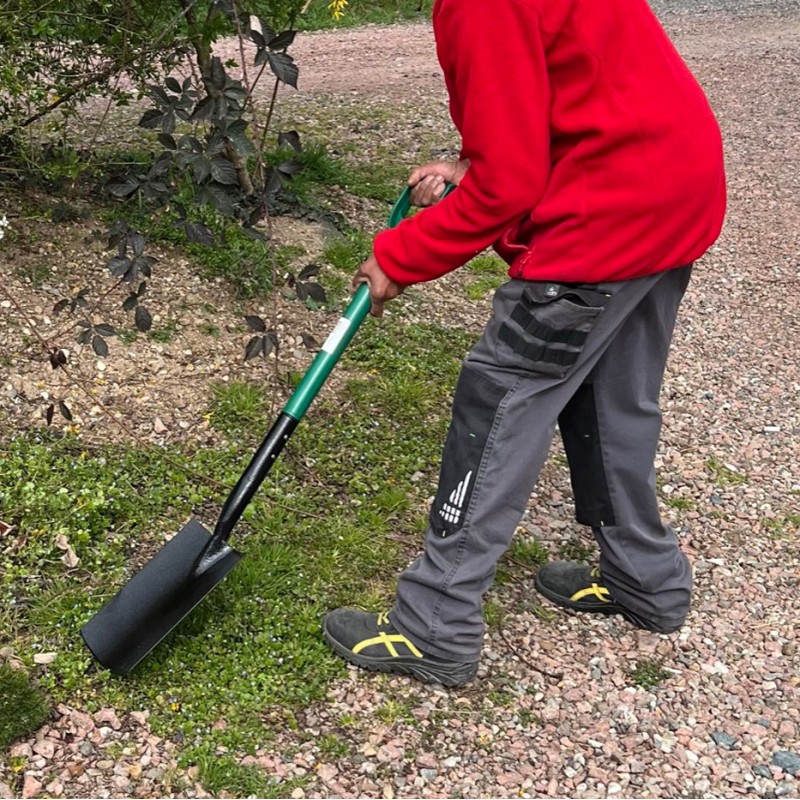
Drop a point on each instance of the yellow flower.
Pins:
(337, 7)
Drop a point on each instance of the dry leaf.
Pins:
(70, 558)
(62, 543)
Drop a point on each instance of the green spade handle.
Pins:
(344, 331)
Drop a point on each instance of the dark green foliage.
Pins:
(23, 708)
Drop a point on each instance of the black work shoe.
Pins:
(372, 642)
(580, 588)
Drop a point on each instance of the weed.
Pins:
(724, 475)
(165, 334)
(333, 747)
(501, 698)
(648, 673)
(23, 708)
(127, 336)
(544, 613)
(493, 614)
(222, 774)
(529, 551)
(575, 550)
(681, 503)
(393, 711)
(527, 718)
(209, 329)
(237, 405)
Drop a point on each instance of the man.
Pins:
(592, 162)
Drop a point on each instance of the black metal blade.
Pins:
(156, 599)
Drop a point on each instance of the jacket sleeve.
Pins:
(493, 59)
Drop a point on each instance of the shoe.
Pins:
(372, 642)
(580, 588)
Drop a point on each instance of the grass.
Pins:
(23, 708)
(489, 273)
(360, 12)
(649, 673)
(314, 537)
(723, 475)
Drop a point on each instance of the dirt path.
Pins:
(556, 711)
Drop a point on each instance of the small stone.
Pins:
(55, 787)
(105, 765)
(85, 748)
(109, 716)
(5, 791)
(298, 793)
(159, 426)
(722, 739)
(452, 761)
(44, 658)
(763, 771)
(787, 761)
(31, 787)
(428, 774)
(46, 748)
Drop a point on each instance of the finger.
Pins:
(377, 308)
(357, 280)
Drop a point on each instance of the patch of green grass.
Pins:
(393, 711)
(649, 673)
(493, 613)
(362, 12)
(782, 527)
(680, 503)
(209, 329)
(333, 747)
(527, 718)
(37, 272)
(222, 775)
(483, 286)
(166, 333)
(544, 613)
(723, 475)
(238, 406)
(23, 707)
(345, 253)
(529, 551)
(127, 336)
(315, 537)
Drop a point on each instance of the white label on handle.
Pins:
(337, 334)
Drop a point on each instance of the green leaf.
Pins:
(222, 171)
(282, 40)
(99, 346)
(284, 68)
(143, 319)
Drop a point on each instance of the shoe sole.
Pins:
(427, 670)
(608, 610)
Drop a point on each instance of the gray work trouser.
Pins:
(590, 357)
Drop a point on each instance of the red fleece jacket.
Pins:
(594, 153)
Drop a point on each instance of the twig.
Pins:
(511, 646)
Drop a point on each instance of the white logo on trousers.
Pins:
(451, 512)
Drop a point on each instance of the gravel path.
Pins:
(562, 706)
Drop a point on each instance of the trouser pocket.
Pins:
(475, 405)
(549, 325)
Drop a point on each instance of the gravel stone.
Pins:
(787, 761)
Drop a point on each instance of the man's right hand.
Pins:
(428, 181)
